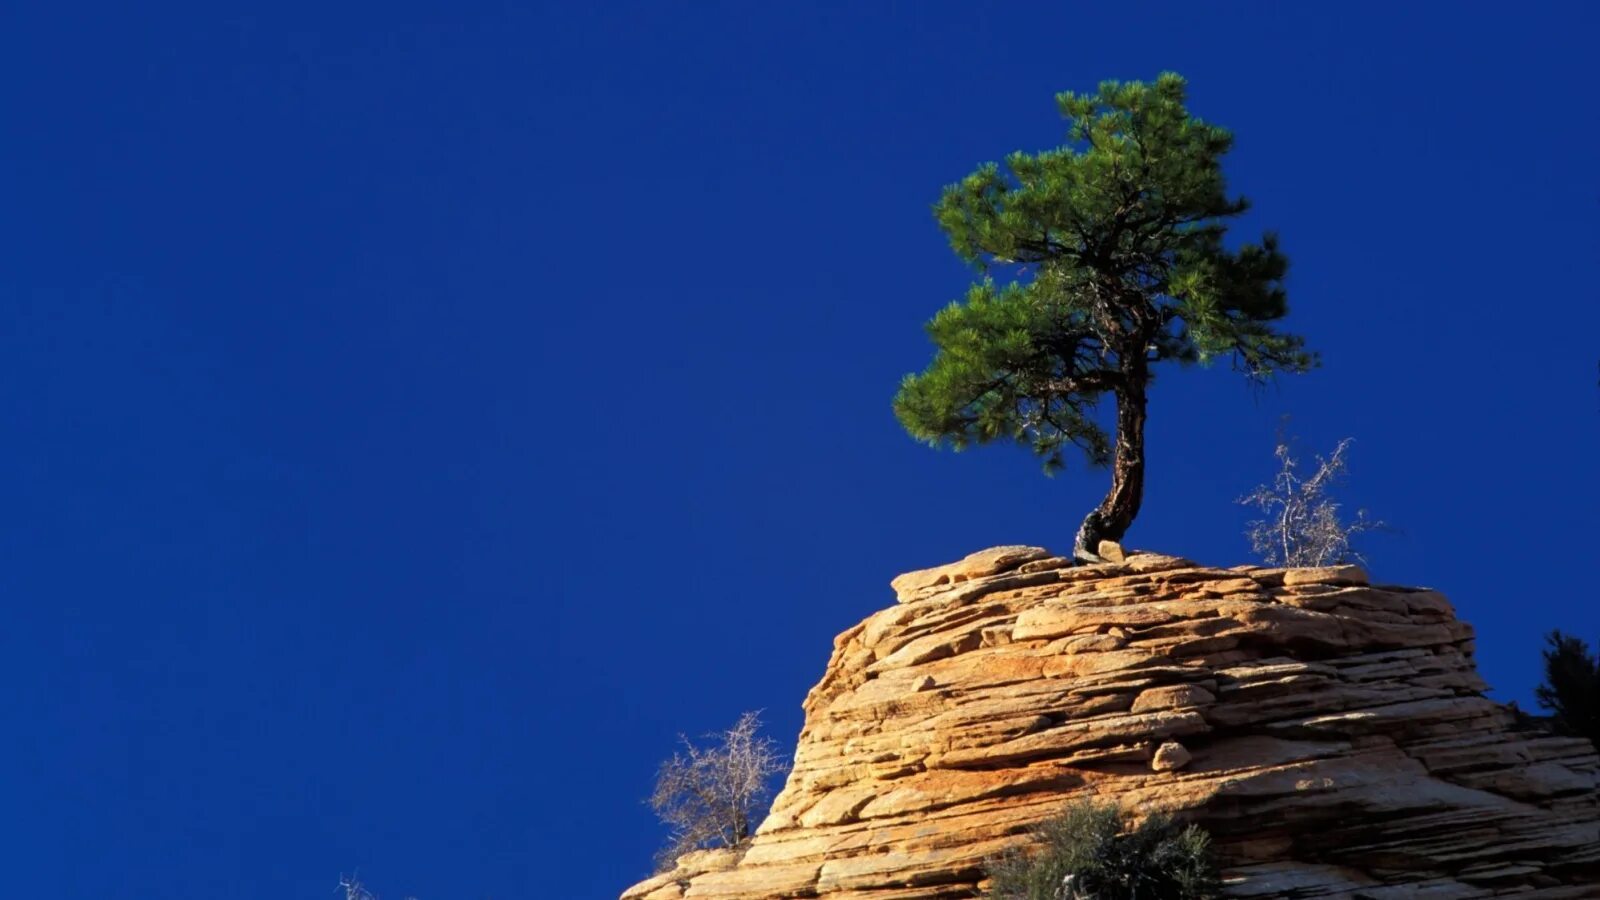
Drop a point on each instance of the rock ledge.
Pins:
(1333, 735)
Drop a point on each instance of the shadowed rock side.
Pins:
(1332, 735)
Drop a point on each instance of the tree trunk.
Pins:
(1127, 476)
(1115, 514)
(1121, 505)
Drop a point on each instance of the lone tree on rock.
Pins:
(1113, 250)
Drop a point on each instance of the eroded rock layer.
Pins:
(1332, 735)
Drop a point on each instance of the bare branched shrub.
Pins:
(1300, 524)
(712, 796)
(354, 889)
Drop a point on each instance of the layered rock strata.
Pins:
(1332, 735)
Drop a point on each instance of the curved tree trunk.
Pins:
(1121, 505)
(1115, 514)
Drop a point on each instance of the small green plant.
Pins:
(1094, 852)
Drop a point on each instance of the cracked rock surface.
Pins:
(1332, 735)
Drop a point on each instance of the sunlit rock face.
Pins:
(1332, 735)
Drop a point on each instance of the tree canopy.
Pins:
(1099, 258)
(1571, 688)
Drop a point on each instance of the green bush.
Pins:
(1571, 688)
(1092, 852)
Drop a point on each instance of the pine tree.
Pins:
(1571, 689)
(1113, 247)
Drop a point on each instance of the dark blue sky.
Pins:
(415, 416)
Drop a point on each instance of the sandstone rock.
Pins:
(1174, 696)
(993, 561)
(714, 860)
(670, 885)
(1170, 756)
(1332, 735)
(1111, 552)
(1325, 575)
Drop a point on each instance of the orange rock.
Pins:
(1333, 736)
(1169, 756)
(977, 565)
(1111, 552)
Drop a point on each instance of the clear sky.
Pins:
(416, 415)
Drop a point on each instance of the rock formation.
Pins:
(1332, 735)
